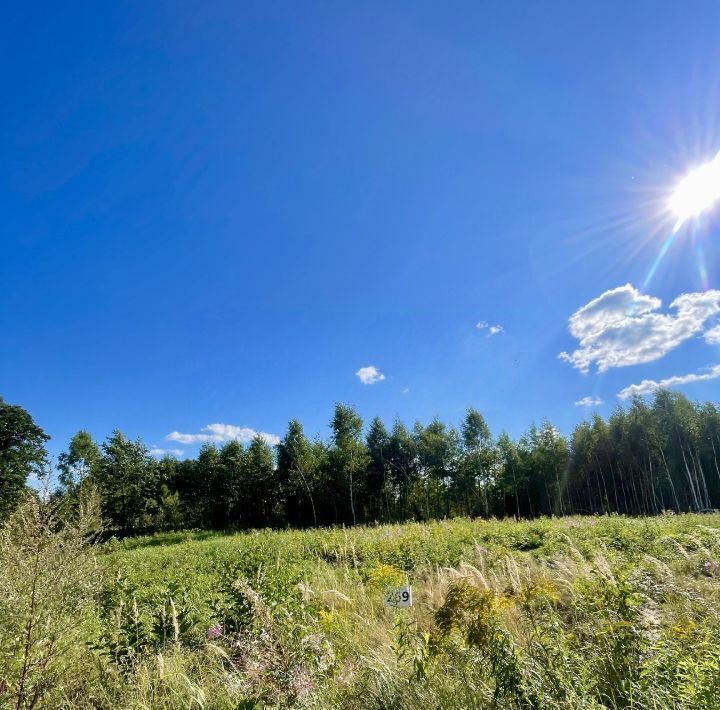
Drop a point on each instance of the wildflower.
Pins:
(301, 683)
(710, 568)
(215, 631)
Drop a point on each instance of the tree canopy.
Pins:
(647, 457)
(22, 454)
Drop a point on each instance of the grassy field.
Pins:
(567, 613)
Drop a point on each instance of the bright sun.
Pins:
(698, 191)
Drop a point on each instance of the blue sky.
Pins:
(219, 213)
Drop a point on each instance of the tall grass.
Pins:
(49, 581)
(602, 612)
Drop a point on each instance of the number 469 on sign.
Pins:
(400, 597)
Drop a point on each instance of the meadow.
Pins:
(578, 612)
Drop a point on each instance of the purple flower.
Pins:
(215, 631)
(711, 568)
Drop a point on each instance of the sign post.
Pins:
(399, 597)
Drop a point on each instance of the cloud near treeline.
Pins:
(223, 432)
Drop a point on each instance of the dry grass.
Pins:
(569, 613)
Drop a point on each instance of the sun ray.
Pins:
(658, 259)
(702, 267)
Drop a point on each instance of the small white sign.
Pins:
(400, 597)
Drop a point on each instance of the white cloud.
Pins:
(223, 432)
(589, 402)
(712, 336)
(491, 329)
(406, 390)
(166, 452)
(649, 386)
(369, 375)
(622, 327)
(227, 432)
(188, 438)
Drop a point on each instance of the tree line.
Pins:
(644, 458)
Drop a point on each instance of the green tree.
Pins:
(298, 471)
(229, 484)
(22, 454)
(79, 462)
(679, 440)
(511, 481)
(170, 513)
(476, 465)
(545, 454)
(438, 454)
(709, 433)
(404, 472)
(129, 484)
(348, 456)
(208, 487)
(378, 445)
(259, 498)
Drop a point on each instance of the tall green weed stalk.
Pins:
(48, 581)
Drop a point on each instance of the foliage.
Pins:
(645, 459)
(22, 454)
(48, 583)
(594, 612)
(602, 611)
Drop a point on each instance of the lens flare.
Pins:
(702, 268)
(658, 259)
(698, 191)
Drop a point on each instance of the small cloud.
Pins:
(712, 336)
(160, 453)
(406, 390)
(491, 329)
(369, 375)
(589, 402)
(189, 438)
(649, 386)
(223, 432)
(228, 432)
